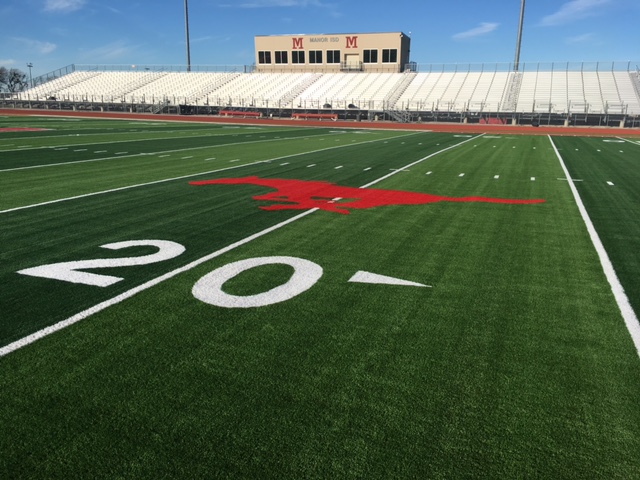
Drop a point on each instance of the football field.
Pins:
(188, 300)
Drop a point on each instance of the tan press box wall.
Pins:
(350, 45)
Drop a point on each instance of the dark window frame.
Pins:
(390, 55)
(315, 56)
(297, 57)
(282, 57)
(370, 56)
(333, 56)
(264, 57)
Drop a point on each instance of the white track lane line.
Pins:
(630, 318)
(23, 342)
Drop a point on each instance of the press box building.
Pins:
(365, 52)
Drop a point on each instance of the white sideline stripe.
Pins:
(630, 318)
(183, 176)
(29, 339)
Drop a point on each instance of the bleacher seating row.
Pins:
(486, 91)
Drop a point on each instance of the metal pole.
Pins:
(517, 62)
(186, 23)
(30, 77)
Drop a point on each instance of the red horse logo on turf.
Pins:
(304, 194)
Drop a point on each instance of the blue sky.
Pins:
(54, 33)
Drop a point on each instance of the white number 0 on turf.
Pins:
(209, 288)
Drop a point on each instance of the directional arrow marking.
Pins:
(368, 277)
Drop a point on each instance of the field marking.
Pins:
(111, 190)
(533, 179)
(118, 189)
(629, 316)
(128, 132)
(29, 339)
(148, 153)
(461, 175)
(377, 279)
(610, 184)
(496, 177)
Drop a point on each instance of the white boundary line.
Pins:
(630, 318)
(191, 175)
(23, 342)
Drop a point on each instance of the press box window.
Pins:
(282, 57)
(315, 56)
(333, 56)
(370, 56)
(264, 57)
(390, 55)
(297, 56)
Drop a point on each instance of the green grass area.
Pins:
(514, 362)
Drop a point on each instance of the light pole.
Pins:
(30, 78)
(516, 65)
(186, 25)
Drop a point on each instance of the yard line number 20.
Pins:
(208, 289)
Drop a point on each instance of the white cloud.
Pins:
(37, 46)
(573, 10)
(6, 63)
(483, 29)
(63, 5)
(112, 51)
(584, 38)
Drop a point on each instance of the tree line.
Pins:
(12, 80)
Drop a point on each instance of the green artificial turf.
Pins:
(514, 362)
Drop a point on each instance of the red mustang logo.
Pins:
(303, 194)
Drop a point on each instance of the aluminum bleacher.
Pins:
(535, 89)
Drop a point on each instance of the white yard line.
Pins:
(629, 141)
(111, 190)
(156, 281)
(120, 154)
(630, 318)
(186, 176)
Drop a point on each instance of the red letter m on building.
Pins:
(297, 44)
(352, 42)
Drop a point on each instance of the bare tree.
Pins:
(12, 80)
